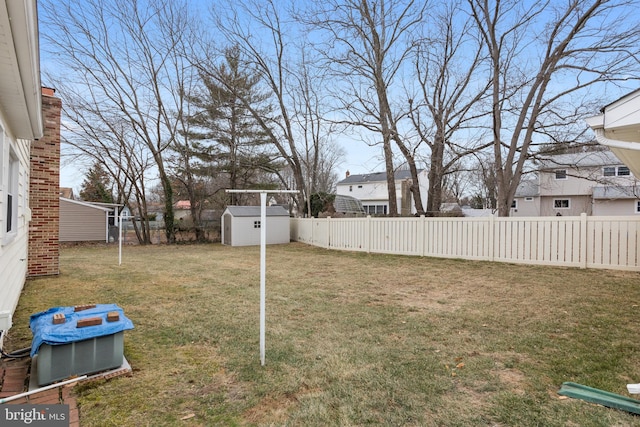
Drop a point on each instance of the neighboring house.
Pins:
(618, 127)
(87, 221)
(371, 190)
(595, 183)
(241, 225)
(21, 121)
(182, 209)
(66, 192)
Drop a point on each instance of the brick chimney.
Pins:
(347, 174)
(44, 192)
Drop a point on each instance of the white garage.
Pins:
(241, 225)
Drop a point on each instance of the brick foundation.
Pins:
(44, 192)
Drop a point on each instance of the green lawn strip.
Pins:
(351, 339)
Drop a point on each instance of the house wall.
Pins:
(243, 232)
(44, 189)
(375, 193)
(576, 183)
(80, 223)
(604, 207)
(526, 207)
(14, 243)
(577, 205)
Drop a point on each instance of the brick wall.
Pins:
(44, 192)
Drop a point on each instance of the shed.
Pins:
(86, 222)
(241, 225)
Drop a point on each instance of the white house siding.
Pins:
(82, 223)
(615, 207)
(526, 206)
(578, 204)
(374, 193)
(20, 122)
(13, 245)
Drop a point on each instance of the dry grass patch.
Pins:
(352, 338)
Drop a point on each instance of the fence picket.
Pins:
(587, 242)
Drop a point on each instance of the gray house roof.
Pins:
(248, 211)
(376, 177)
(528, 188)
(617, 192)
(588, 159)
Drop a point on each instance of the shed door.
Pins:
(226, 223)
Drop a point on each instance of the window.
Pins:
(561, 174)
(375, 209)
(359, 186)
(528, 199)
(12, 195)
(351, 188)
(561, 204)
(256, 224)
(637, 206)
(514, 204)
(613, 171)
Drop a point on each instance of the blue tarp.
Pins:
(45, 332)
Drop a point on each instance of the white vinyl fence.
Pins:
(582, 241)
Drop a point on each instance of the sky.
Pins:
(359, 158)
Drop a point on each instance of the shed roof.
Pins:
(101, 207)
(247, 211)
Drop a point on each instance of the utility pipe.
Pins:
(37, 390)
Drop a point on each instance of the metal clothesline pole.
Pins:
(263, 259)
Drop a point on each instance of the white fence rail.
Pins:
(583, 241)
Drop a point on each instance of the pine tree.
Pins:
(96, 185)
(227, 139)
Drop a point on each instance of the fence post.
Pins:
(328, 232)
(421, 235)
(492, 236)
(583, 240)
(367, 234)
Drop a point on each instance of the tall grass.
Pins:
(352, 339)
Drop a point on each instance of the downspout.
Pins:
(615, 143)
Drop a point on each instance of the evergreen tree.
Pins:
(96, 186)
(227, 140)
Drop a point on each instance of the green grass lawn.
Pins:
(352, 339)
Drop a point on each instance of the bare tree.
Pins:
(451, 88)
(98, 134)
(541, 54)
(127, 58)
(263, 33)
(367, 43)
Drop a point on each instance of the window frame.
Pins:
(560, 174)
(10, 192)
(555, 204)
